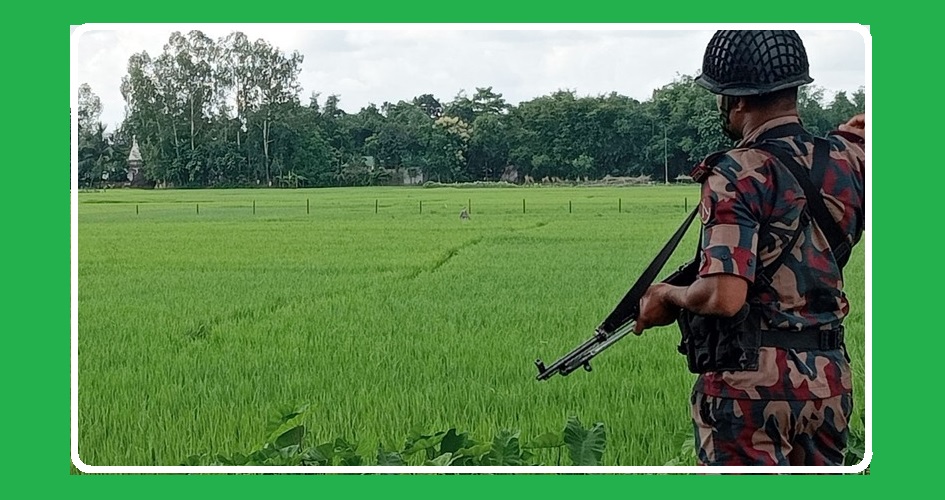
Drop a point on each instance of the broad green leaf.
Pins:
(342, 446)
(586, 447)
(346, 452)
(423, 443)
(291, 437)
(546, 440)
(474, 455)
(352, 459)
(388, 457)
(453, 442)
(506, 449)
(285, 417)
(324, 453)
(320, 455)
(441, 460)
(853, 455)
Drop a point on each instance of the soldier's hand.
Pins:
(855, 125)
(655, 309)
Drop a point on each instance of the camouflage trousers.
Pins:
(766, 432)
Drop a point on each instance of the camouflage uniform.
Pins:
(794, 409)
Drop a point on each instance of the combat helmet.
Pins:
(752, 62)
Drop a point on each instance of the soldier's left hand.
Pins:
(855, 125)
(655, 309)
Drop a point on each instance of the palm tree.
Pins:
(95, 153)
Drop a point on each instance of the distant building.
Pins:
(134, 161)
(510, 175)
(412, 176)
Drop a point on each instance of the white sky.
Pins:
(400, 62)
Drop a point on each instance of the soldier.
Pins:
(763, 322)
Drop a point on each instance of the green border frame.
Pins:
(37, 249)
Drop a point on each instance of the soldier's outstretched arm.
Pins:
(715, 295)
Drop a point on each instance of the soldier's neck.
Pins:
(757, 118)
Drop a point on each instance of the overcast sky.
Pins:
(373, 66)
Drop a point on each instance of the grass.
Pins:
(194, 328)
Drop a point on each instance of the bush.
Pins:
(288, 443)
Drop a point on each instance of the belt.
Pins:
(804, 340)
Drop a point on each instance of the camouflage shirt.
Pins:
(750, 209)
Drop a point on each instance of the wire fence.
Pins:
(350, 206)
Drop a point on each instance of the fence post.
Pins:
(254, 207)
(686, 205)
(569, 206)
(198, 209)
(523, 205)
(306, 205)
(136, 209)
(619, 205)
(421, 207)
(375, 206)
(469, 206)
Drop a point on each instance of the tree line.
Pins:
(228, 113)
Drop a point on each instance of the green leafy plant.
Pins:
(687, 452)
(856, 446)
(287, 439)
(586, 446)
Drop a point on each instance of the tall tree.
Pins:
(485, 101)
(236, 77)
(90, 108)
(489, 145)
(95, 147)
(276, 85)
(461, 107)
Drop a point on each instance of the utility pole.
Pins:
(665, 159)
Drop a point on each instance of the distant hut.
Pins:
(510, 174)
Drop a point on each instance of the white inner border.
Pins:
(868, 453)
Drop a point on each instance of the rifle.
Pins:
(620, 322)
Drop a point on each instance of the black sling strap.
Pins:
(813, 338)
(765, 275)
(629, 306)
(836, 236)
(781, 131)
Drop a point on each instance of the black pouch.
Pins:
(716, 344)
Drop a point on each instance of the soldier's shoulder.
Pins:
(847, 146)
(733, 164)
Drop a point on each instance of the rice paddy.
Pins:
(202, 312)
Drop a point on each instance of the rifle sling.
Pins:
(629, 306)
(836, 237)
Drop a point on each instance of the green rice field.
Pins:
(203, 312)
